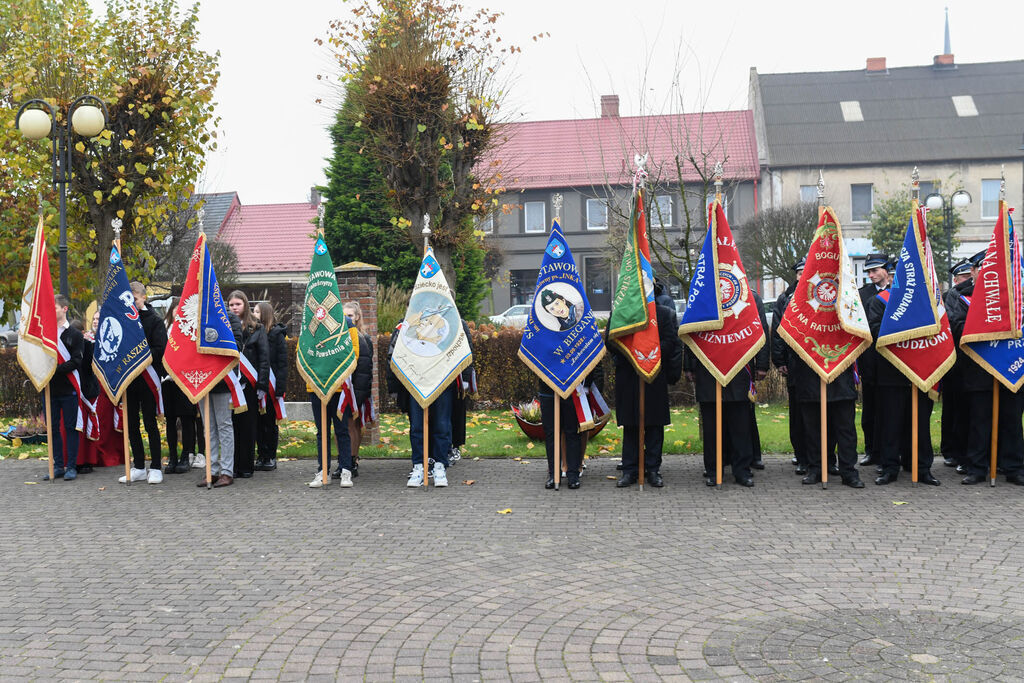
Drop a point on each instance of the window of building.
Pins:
(725, 204)
(990, 198)
(597, 214)
(851, 111)
(861, 202)
(964, 105)
(486, 224)
(522, 284)
(926, 187)
(536, 220)
(661, 211)
(809, 194)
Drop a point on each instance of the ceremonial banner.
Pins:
(432, 347)
(915, 335)
(201, 347)
(995, 311)
(996, 303)
(633, 325)
(561, 342)
(37, 336)
(121, 351)
(326, 354)
(824, 321)
(721, 324)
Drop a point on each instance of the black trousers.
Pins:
(893, 429)
(954, 429)
(869, 416)
(755, 434)
(572, 456)
(841, 434)
(737, 446)
(188, 437)
(797, 432)
(267, 433)
(977, 407)
(139, 398)
(244, 424)
(458, 421)
(1011, 434)
(654, 443)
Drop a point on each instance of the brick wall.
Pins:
(358, 282)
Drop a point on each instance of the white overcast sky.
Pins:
(273, 133)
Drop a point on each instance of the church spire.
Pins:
(946, 48)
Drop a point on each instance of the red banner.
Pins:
(994, 311)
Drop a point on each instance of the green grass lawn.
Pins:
(494, 433)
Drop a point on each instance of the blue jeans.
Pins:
(440, 427)
(340, 432)
(67, 407)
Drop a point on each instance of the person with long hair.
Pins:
(256, 349)
(178, 409)
(267, 431)
(362, 382)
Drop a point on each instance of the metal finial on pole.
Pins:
(821, 188)
(915, 185)
(640, 176)
(556, 204)
(719, 172)
(426, 232)
(320, 216)
(1002, 182)
(116, 225)
(200, 215)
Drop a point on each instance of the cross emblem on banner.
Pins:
(322, 313)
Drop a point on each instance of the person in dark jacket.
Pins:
(362, 383)
(256, 349)
(954, 429)
(656, 408)
(221, 448)
(876, 266)
(738, 447)
(63, 399)
(782, 357)
(139, 397)
(178, 411)
(459, 406)
(267, 434)
(893, 420)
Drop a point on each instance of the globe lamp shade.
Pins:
(34, 124)
(88, 120)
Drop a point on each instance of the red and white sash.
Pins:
(466, 388)
(591, 408)
(86, 419)
(348, 398)
(234, 382)
(276, 399)
(153, 382)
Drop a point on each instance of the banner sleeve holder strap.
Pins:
(207, 418)
(124, 437)
(824, 433)
(994, 447)
(49, 432)
(558, 440)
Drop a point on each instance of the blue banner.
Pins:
(912, 310)
(121, 352)
(703, 305)
(561, 342)
(215, 335)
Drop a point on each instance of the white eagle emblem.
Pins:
(188, 318)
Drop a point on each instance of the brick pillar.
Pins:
(357, 281)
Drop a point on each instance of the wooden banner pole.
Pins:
(207, 419)
(49, 431)
(994, 447)
(558, 441)
(324, 426)
(913, 435)
(718, 435)
(426, 446)
(124, 438)
(642, 424)
(824, 434)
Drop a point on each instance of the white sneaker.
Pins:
(454, 455)
(346, 479)
(156, 477)
(318, 480)
(137, 475)
(197, 460)
(416, 478)
(440, 476)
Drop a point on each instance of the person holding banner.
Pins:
(364, 412)
(143, 395)
(220, 417)
(782, 358)
(63, 396)
(177, 409)
(255, 366)
(876, 267)
(954, 430)
(267, 430)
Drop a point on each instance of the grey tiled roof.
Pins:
(216, 207)
(909, 115)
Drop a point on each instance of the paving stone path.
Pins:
(271, 580)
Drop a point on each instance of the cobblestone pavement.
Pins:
(269, 579)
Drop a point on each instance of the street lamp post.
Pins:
(37, 119)
(958, 200)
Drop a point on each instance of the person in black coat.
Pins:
(782, 357)
(738, 447)
(256, 349)
(876, 266)
(656, 408)
(267, 434)
(954, 429)
(178, 409)
(63, 399)
(893, 420)
(139, 397)
(460, 405)
(219, 417)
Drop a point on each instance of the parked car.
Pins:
(514, 316)
(8, 337)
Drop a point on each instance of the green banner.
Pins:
(326, 353)
(629, 306)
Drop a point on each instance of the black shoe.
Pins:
(868, 460)
(243, 475)
(961, 469)
(355, 468)
(757, 464)
(619, 467)
(574, 480)
(886, 478)
(182, 467)
(627, 479)
(879, 469)
(170, 467)
(801, 470)
(853, 482)
(972, 479)
(746, 481)
(710, 481)
(833, 470)
(927, 478)
(550, 483)
(655, 480)
(812, 478)
(1017, 479)
(949, 462)
(794, 461)
(336, 474)
(84, 469)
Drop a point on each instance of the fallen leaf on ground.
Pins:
(506, 511)
(31, 482)
(610, 477)
(24, 456)
(104, 488)
(530, 445)
(516, 459)
(469, 482)
(899, 502)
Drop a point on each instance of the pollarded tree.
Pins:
(142, 59)
(774, 239)
(889, 221)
